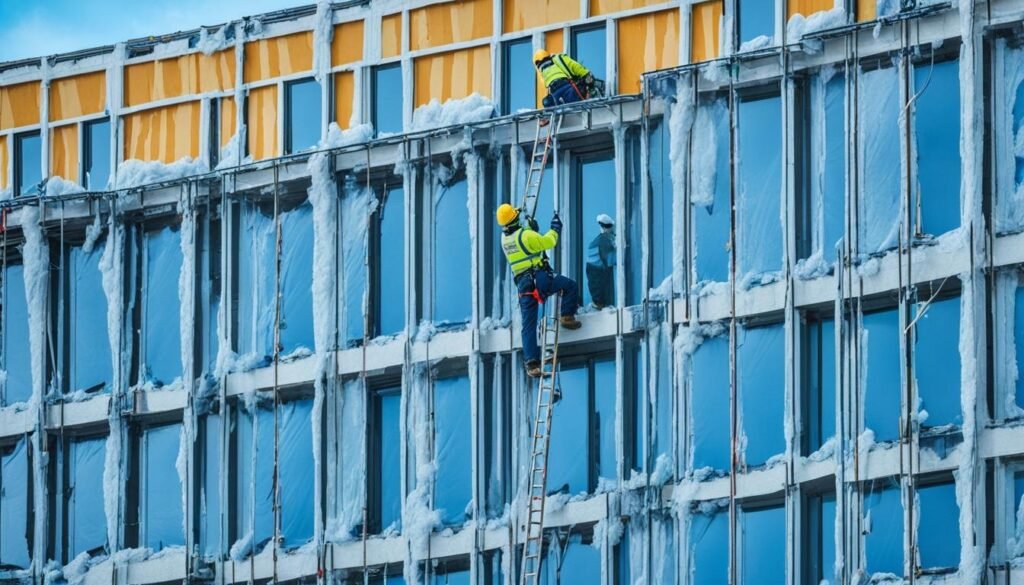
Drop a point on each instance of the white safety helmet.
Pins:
(605, 221)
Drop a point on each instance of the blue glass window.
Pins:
(255, 282)
(937, 360)
(604, 410)
(758, 196)
(352, 429)
(17, 355)
(938, 526)
(757, 18)
(388, 468)
(764, 545)
(1018, 336)
(567, 471)
(761, 359)
(86, 520)
(452, 419)
(595, 177)
(517, 67)
(883, 540)
(879, 158)
(819, 538)
(659, 379)
(161, 322)
(659, 173)
(386, 115)
(666, 559)
(588, 48)
(709, 389)
(208, 514)
(302, 107)
(819, 384)
(882, 381)
(295, 468)
(28, 170)
(160, 502)
(253, 481)
(937, 146)
(572, 561)
(297, 279)
(827, 166)
(96, 159)
(263, 496)
(709, 548)
(710, 197)
(353, 282)
(391, 256)
(1018, 493)
(14, 490)
(497, 397)
(451, 256)
(89, 366)
(208, 237)
(451, 578)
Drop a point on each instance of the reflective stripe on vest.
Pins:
(517, 255)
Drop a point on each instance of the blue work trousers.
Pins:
(547, 283)
(562, 93)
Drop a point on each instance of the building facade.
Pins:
(256, 325)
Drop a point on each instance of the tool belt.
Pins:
(558, 84)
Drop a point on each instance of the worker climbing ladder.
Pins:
(538, 162)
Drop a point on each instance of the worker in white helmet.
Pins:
(601, 264)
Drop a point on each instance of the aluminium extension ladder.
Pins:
(538, 162)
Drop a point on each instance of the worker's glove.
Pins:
(589, 79)
(556, 224)
(533, 225)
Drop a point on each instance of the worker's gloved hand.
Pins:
(556, 224)
(589, 79)
(533, 225)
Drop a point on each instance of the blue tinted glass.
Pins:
(604, 406)
(659, 367)
(581, 563)
(596, 198)
(90, 364)
(264, 495)
(297, 279)
(87, 523)
(255, 275)
(209, 284)
(567, 471)
(761, 360)
(764, 546)
(395, 580)
(452, 286)
(938, 527)
(1012, 60)
(244, 467)
(882, 382)
(304, 123)
(827, 162)
(827, 536)
(633, 224)
(519, 94)
(709, 388)
(454, 460)
(622, 552)
(391, 316)
(387, 99)
(821, 383)
(452, 578)
(883, 538)
(937, 357)
(659, 173)
(351, 462)
(390, 471)
(210, 518)
(666, 557)
(97, 160)
(17, 356)
(711, 216)
(161, 324)
(28, 157)
(354, 205)
(14, 470)
(709, 548)
(878, 115)
(1018, 336)
(757, 18)
(588, 48)
(1018, 491)
(758, 197)
(161, 522)
(296, 471)
(937, 130)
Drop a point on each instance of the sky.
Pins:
(34, 28)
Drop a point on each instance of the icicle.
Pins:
(323, 34)
(112, 273)
(186, 306)
(474, 191)
(681, 118)
(418, 519)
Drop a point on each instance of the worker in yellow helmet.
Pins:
(524, 248)
(567, 81)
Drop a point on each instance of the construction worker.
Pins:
(567, 81)
(524, 248)
(601, 264)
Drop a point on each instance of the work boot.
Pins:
(570, 322)
(533, 369)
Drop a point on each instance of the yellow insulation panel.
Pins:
(344, 98)
(64, 152)
(704, 30)
(453, 75)
(523, 14)
(808, 7)
(19, 105)
(81, 95)
(163, 134)
(228, 120)
(347, 43)
(261, 123)
(186, 75)
(278, 56)
(391, 35)
(866, 10)
(437, 25)
(602, 7)
(652, 42)
(4, 161)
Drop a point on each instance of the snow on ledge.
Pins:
(136, 173)
(800, 25)
(454, 112)
(757, 43)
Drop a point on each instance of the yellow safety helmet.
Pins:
(506, 214)
(539, 55)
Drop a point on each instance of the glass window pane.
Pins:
(304, 122)
(387, 99)
(497, 434)
(664, 558)
(588, 48)
(758, 197)
(709, 388)
(351, 464)
(97, 155)
(355, 204)
(882, 380)
(161, 522)
(255, 282)
(90, 364)
(209, 515)
(391, 272)
(14, 526)
(567, 471)
(883, 528)
(243, 466)
(604, 410)
(659, 173)
(710, 197)
(819, 383)
(938, 526)
(764, 546)
(452, 419)
(263, 528)
(761, 361)
(879, 159)
(1018, 500)
(937, 361)
(937, 145)
(296, 279)
(296, 472)
(827, 162)
(579, 563)
(594, 175)
(390, 466)
(757, 19)
(1018, 336)
(709, 548)
(659, 372)
(452, 578)
(517, 68)
(819, 540)
(161, 330)
(28, 158)
(17, 355)
(451, 256)
(87, 522)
